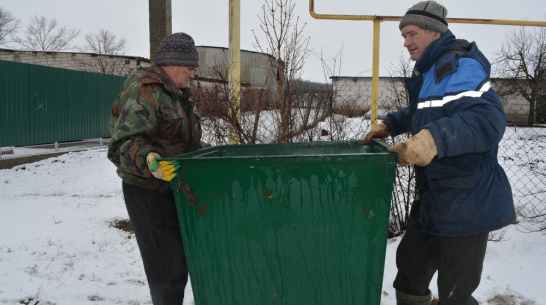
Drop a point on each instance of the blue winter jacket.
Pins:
(463, 191)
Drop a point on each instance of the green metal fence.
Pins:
(41, 104)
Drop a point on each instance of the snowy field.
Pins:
(58, 245)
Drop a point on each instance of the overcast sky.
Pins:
(207, 22)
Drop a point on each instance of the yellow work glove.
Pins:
(379, 131)
(418, 150)
(164, 170)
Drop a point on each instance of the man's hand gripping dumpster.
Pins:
(418, 150)
(164, 170)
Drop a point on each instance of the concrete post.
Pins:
(160, 20)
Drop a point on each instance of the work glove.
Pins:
(418, 150)
(164, 170)
(379, 131)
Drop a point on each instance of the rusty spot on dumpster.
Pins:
(267, 194)
(191, 195)
(274, 295)
(202, 210)
(364, 209)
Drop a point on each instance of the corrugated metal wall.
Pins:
(44, 105)
(256, 69)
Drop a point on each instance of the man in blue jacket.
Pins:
(462, 193)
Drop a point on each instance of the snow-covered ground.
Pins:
(57, 245)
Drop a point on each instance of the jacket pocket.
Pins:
(467, 182)
(456, 172)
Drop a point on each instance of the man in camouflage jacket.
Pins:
(154, 117)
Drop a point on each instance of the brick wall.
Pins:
(108, 64)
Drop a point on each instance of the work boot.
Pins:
(408, 299)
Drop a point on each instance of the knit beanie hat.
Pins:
(177, 49)
(428, 15)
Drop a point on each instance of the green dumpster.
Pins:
(291, 223)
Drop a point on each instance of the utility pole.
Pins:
(160, 20)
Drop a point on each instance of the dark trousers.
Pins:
(154, 219)
(458, 260)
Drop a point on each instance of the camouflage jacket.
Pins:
(151, 115)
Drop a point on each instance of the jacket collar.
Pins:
(445, 52)
(156, 74)
(433, 52)
(165, 79)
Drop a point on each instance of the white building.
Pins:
(356, 92)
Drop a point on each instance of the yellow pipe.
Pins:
(375, 70)
(397, 18)
(234, 76)
(496, 21)
(376, 33)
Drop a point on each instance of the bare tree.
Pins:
(8, 25)
(104, 43)
(333, 68)
(46, 35)
(286, 42)
(219, 114)
(219, 107)
(294, 107)
(259, 120)
(285, 108)
(521, 62)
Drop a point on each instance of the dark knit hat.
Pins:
(428, 15)
(177, 49)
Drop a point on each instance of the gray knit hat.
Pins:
(177, 49)
(428, 15)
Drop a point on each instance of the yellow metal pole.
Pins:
(375, 69)
(234, 77)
